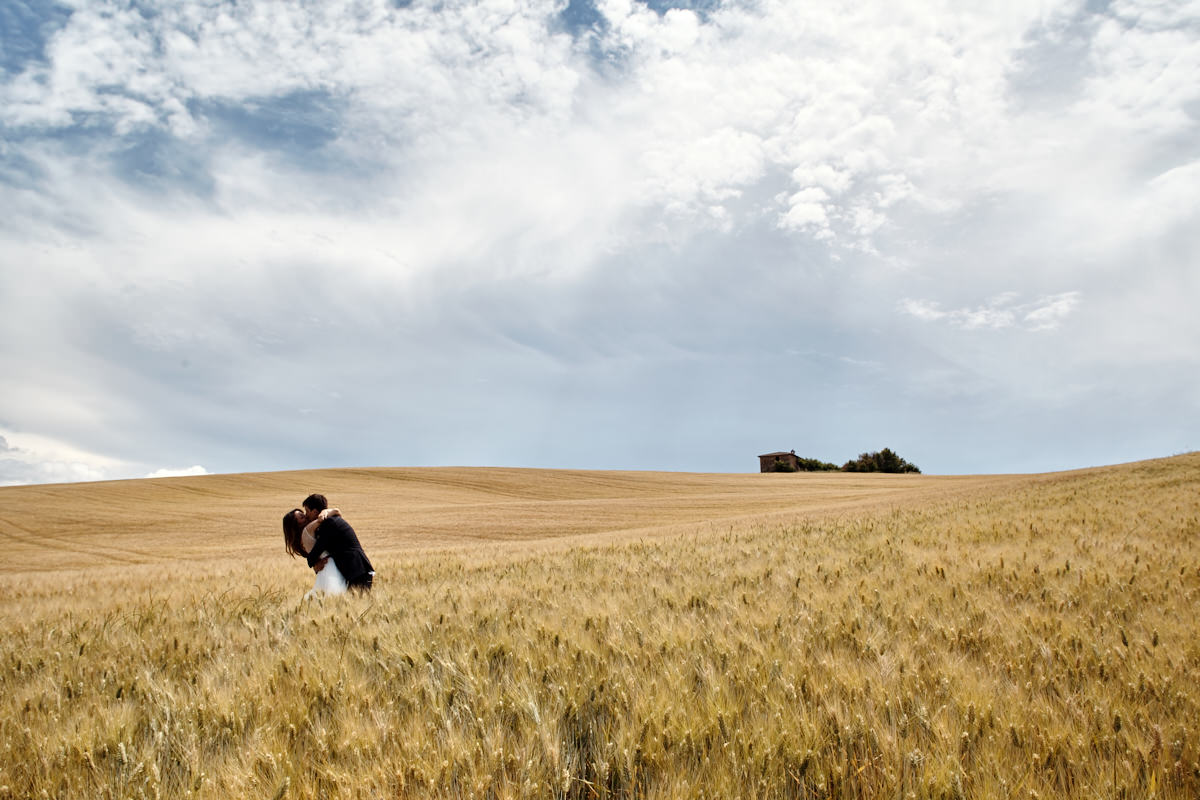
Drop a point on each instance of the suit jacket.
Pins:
(336, 537)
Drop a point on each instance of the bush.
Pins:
(882, 461)
(814, 465)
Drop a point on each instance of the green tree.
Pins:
(816, 465)
(885, 460)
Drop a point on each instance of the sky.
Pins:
(599, 234)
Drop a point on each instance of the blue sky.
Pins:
(598, 234)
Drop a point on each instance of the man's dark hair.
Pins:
(316, 502)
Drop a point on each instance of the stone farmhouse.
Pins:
(770, 462)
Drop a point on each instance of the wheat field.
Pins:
(567, 634)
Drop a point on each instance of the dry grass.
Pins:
(397, 510)
(684, 636)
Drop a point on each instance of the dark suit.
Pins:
(336, 537)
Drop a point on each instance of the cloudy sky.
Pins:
(243, 236)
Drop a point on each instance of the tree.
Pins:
(884, 460)
(815, 465)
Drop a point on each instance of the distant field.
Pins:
(597, 634)
(396, 510)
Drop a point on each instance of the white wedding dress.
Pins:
(329, 579)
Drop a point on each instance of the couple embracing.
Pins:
(326, 540)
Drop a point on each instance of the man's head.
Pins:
(314, 504)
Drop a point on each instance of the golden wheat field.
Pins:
(568, 634)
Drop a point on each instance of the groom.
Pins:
(336, 537)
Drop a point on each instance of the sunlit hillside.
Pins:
(172, 520)
(579, 634)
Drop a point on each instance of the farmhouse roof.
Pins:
(780, 453)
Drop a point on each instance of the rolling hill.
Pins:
(578, 635)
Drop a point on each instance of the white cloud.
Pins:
(807, 210)
(31, 458)
(824, 176)
(178, 473)
(199, 201)
(1049, 312)
(906, 107)
(1001, 311)
(1146, 57)
(1170, 198)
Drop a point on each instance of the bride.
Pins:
(299, 539)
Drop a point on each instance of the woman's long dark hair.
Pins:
(292, 530)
